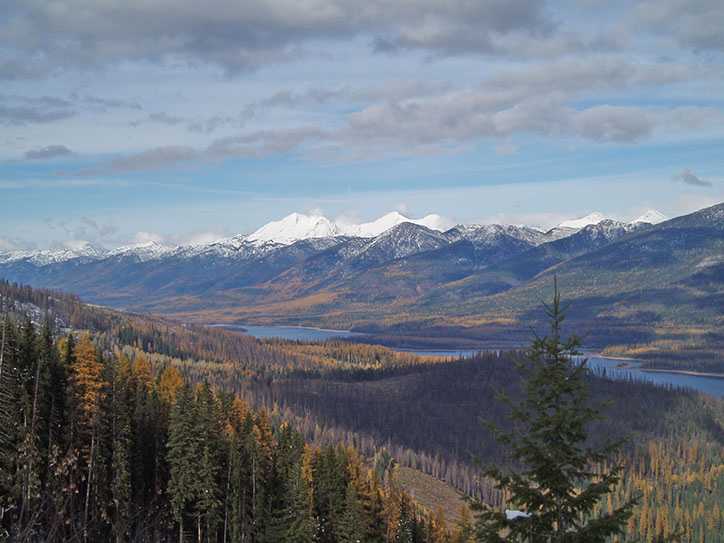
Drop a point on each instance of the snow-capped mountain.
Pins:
(399, 241)
(298, 226)
(390, 220)
(328, 265)
(490, 233)
(651, 217)
(82, 249)
(232, 247)
(581, 222)
(142, 251)
(608, 230)
(293, 228)
(318, 229)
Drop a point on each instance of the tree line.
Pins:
(426, 413)
(97, 445)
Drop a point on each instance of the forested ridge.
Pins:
(426, 413)
(100, 446)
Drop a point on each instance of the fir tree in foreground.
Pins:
(560, 479)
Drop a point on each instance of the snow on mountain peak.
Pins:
(293, 228)
(591, 218)
(390, 220)
(434, 222)
(147, 250)
(70, 250)
(298, 226)
(652, 217)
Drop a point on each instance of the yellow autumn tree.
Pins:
(87, 381)
(141, 369)
(169, 383)
(87, 387)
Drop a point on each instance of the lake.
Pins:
(708, 385)
(292, 333)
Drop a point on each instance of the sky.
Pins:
(182, 121)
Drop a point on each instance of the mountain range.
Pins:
(292, 228)
(411, 274)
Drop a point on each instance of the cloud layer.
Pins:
(244, 35)
(49, 151)
(151, 103)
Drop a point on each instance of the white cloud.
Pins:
(147, 237)
(203, 238)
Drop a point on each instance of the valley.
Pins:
(614, 368)
(632, 285)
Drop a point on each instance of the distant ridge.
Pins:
(652, 217)
(582, 222)
(297, 227)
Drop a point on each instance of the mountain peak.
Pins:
(145, 250)
(581, 222)
(69, 251)
(298, 226)
(651, 216)
(294, 227)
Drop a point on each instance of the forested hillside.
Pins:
(425, 413)
(100, 446)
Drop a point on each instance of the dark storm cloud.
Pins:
(690, 178)
(50, 151)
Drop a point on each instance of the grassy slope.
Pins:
(432, 493)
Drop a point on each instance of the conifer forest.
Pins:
(129, 428)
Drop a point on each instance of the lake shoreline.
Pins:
(684, 372)
(618, 367)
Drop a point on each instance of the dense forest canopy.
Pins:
(99, 446)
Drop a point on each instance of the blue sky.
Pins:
(183, 121)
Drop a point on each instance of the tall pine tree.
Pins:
(558, 484)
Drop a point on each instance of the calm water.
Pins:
(293, 333)
(708, 385)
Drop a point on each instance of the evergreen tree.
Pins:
(10, 426)
(62, 458)
(121, 438)
(208, 435)
(330, 487)
(558, 485)
(57, 402)
(375, 510)
(208, 501)
(301, 526)
(352, 525)
(182, 456)
(30, 370)
(405, 526)
(240, 485)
